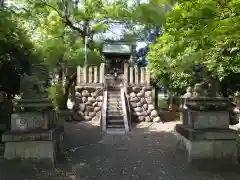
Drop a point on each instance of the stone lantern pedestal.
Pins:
(205, 133)
(34, 134)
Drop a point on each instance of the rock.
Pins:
(145, 106)
(135, 99)
(136, 89)
(150, 107)
(140, 113)
(84, 99)
(96, 109)
(89, 109)
(140, 94)
(148, 94)
(139, 104)
(82, 107)
(99, 104)
(78, 94)
(154, 114)
(142, 100)
(88, 103)
(145, 88)
(77, 118)
(91, 99)
(92, 114)
(148, 119)
(132, 95)
(85, 93)
(80, 113)
(149, 100)
(138, 109)
(95, 118)
(157, 119)
(78, 100)
(141, 118)
(90, 89)
(87, 118)
(144, 113)
(95, 104)
(76, 107)
(133, 104)
(99, 98)
(93, 94)
(86, 113)
(149, 111)
(98, 113)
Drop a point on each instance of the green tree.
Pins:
(203, 32)
(17, 52)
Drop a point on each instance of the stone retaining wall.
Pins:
(88, 104)
(141, 102)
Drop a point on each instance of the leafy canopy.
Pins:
(205, 32)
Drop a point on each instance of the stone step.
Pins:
(115, 111)
(115, 121)
(114, 114)
(114, 104)
(115, 131)
(114, 108)
(114, 95)
(114, 117)
(119, 126)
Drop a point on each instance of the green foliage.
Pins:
(17, 52)
(205, 32)
(56, 93)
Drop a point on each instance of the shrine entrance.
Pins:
(116, 54)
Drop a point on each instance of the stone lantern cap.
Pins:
(33, 105)
(208, 103)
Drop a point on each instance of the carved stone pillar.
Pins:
(147, 80)
(102, 71)
(126, 65)
(79, 70)
(90, 74)
(85, 74)
(136, 74)
(95, 74)
(131, 75)
(142, 74)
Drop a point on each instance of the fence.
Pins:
(133, 75)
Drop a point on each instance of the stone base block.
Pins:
(36, 146)
(207, 145)
(31, 150)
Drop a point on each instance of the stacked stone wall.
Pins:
(142, 106)
(88, 104)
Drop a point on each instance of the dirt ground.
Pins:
(146, 153)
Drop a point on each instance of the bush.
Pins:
(56, 93)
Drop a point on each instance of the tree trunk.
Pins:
(68, 86)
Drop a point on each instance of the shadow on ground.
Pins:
(141, 154)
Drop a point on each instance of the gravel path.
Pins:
(147, 153)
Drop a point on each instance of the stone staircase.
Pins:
(114, 113)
